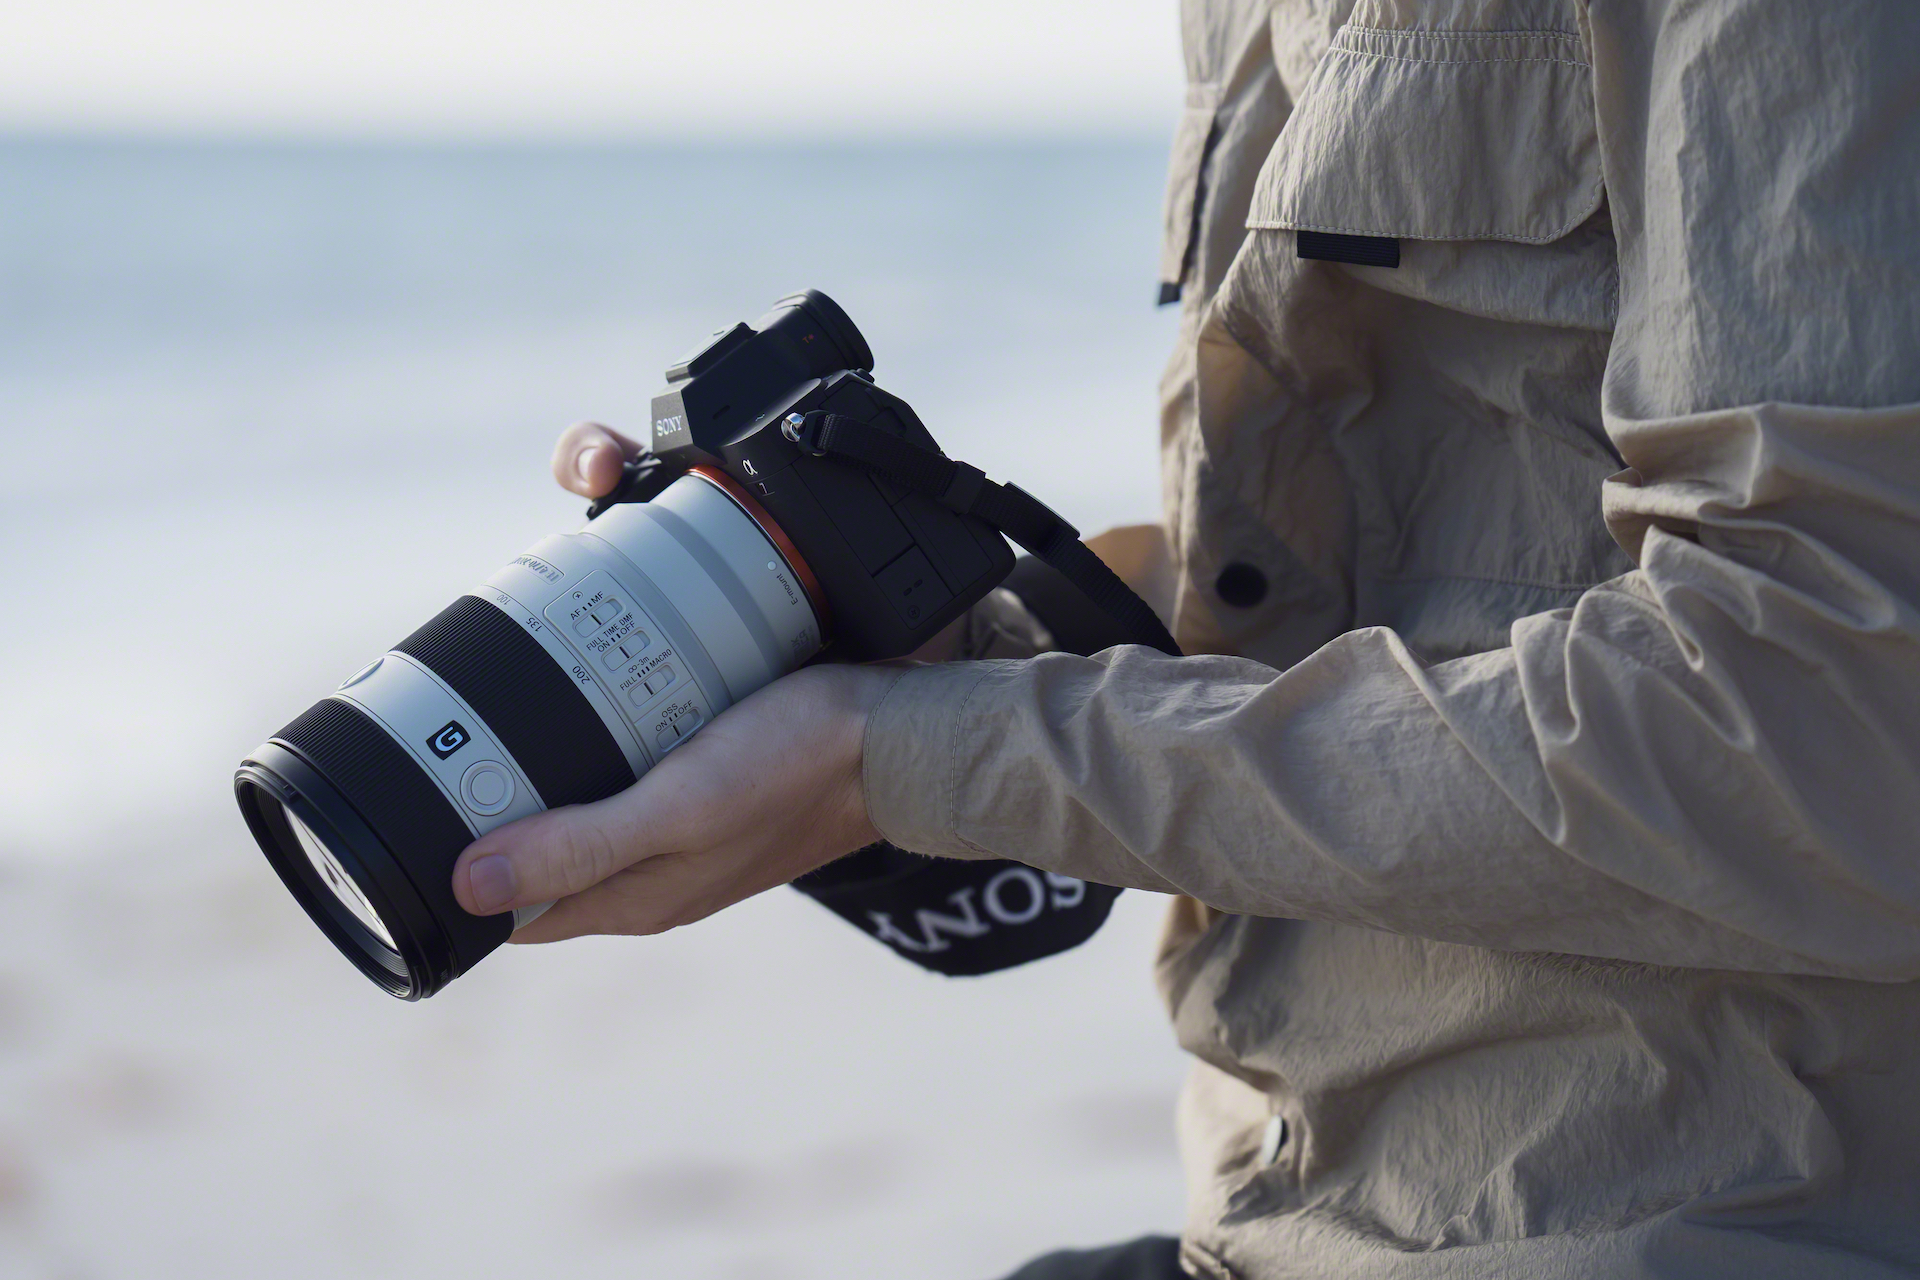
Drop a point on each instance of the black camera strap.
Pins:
(1008, 508)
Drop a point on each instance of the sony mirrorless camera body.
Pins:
(893, 566)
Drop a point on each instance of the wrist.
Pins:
(849, 693)
(912, 753)
(867, 690)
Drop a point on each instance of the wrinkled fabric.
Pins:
(1547, 821)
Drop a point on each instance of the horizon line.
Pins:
(1117, 135)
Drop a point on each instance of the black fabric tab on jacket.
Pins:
(1169, 292)
(1364, 251)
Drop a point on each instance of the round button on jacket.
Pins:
(1241, 585)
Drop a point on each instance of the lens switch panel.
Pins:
(628, 649)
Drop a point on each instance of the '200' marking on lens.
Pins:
(580, 674)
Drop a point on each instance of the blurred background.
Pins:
(293, 300)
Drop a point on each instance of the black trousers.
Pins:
(1148, 1258)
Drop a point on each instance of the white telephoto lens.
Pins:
(563, 678)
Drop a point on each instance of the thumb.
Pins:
(549, 855)
(587, 458)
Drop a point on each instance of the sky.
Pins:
(591, 70)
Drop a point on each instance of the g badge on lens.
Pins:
(450, 738)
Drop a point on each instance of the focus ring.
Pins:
(406, 810)
(528, 702)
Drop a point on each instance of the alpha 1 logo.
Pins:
(448, 740)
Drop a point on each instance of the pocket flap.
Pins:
(1438, 135)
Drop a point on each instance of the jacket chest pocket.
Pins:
(1424, 134)
(1452, 371)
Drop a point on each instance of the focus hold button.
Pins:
(487, 787)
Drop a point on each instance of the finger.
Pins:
(637, 901)
(661, 893)
(538, 859)
(587, 458)
(564, 851)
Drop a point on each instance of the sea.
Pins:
(264, 408)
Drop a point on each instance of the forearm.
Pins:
(1364, 788)
(1332, 791)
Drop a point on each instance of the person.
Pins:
(1542, 474)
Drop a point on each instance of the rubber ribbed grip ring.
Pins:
(409, 814)
(529, 703)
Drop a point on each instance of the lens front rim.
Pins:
(273, 783)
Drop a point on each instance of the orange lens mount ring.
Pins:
(783, 544)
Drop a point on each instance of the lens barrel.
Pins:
(567, 675)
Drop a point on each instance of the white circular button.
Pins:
(487, 787)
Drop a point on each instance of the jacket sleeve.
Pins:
(1713, 761)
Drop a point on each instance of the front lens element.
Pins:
(341, 872)
(335, 878)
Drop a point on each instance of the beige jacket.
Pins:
(1554, 792)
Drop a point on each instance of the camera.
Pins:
(788, 506)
